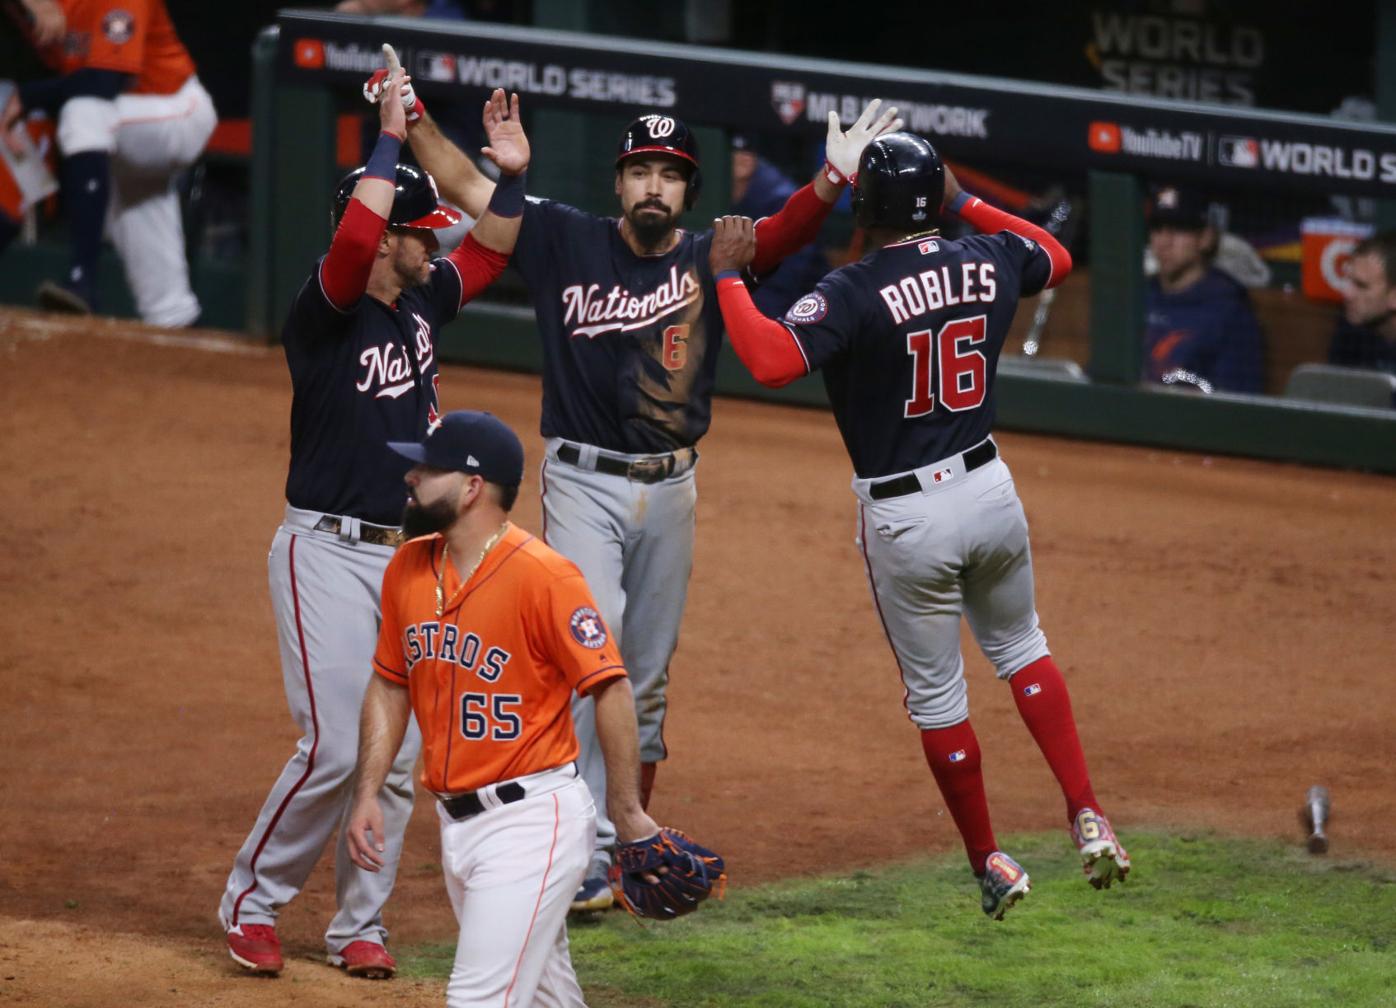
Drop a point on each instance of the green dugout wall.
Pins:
(578, 88)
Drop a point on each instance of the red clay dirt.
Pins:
(1225, 625)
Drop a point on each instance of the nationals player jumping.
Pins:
(487, 634)
(908, 339)
(630, 331)
(361, 346)
(131, 117)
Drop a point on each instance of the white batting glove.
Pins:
(373, 87)
(843, 150)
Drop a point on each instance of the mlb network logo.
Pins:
(1238, 151)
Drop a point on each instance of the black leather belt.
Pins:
(653, 469)
(378, 535)
(463, 806)
(898, 486)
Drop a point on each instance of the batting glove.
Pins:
(373, 87)
(843, 150)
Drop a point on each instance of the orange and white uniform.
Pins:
(133, 37)
(153, 131)
(491, 682)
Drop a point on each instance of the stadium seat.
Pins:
(1055, 368)
(1347, 386)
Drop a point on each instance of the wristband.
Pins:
(382, 163)
(834, 175)
(729, 274)
(958, 203)
(508, 198)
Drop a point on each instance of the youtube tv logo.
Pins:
(310, 54)
(1104, 138)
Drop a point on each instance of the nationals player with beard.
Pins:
(630, 330)
(360, 342)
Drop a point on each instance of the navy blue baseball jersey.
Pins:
(360, 379)
(908, 339)
(630, 342)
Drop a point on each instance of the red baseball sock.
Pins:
(953, 756)
(1045, 706)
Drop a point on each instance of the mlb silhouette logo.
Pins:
(957, 756)
(1032, 689)
(942, 476)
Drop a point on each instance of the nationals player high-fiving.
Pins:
(630, 332)
(908, 340)
(360, 343)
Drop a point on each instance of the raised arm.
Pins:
(988, 219)
(345, 270)
(767, 348)
(455, 173)
(797, 223)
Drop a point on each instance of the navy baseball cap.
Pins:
(1171, 206)
(470, 441)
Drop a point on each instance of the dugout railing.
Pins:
(579, 89)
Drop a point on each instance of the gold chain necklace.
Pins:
(467, 575)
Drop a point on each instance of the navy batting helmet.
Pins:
(415, 201)
(901, 184)
(662, 134)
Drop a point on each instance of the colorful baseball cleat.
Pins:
(595, 894)
(1003, 883)
(256, 947)
(1103, 857)
(364, 959)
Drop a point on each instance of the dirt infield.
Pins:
(1226, 628)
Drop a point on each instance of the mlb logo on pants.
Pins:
(1032, 689)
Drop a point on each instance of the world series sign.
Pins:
(1069, 129)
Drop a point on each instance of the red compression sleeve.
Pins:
(990, 219)
(789, 229)
(479, 266)
(768, 349)
(344, 271)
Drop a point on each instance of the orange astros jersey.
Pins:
(128, 36)
(492, 679)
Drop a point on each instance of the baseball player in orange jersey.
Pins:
(131, 116)
(487, 634)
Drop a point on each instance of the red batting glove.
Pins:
(411, 104)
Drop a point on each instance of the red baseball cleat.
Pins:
(256, 947)
(1103, 857)
(364, 959)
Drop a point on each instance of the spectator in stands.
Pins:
(1200, 328)
(1366, 335)
(760, 189)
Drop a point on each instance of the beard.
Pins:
(651, 229)
(424, 519)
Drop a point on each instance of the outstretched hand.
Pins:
(391, 115)
(508, 144)
(843, 150)
(378, 84)
(734, 244)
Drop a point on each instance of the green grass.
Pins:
(1204, 922)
